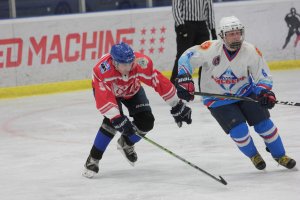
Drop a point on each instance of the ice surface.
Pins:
(45, 140)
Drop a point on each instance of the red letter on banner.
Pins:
(86, 45)
(56, 47)
(108, 42)
(18, 47)
(37, 47)
(75, 56)
(122, 32)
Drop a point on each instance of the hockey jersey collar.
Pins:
(229, 56)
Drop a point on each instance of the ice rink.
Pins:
(45, 140)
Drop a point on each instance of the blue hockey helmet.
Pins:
(122, 53)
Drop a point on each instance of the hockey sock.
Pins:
(96, 153)
(102, 139)
(134, 138)
(240, 135)
(268, 131)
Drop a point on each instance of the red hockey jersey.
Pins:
(109, 84)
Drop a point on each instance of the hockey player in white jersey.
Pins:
(232, 66)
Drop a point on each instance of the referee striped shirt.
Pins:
(193, 10)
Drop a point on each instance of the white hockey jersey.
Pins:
(241, 74)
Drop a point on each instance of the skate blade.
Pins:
(123, 153)
(88, 173)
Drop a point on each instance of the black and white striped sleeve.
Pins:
(177, 10)
(210, 15)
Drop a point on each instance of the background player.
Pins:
(292, 20)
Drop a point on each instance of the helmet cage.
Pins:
(231, 27)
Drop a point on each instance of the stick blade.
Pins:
(222, 180)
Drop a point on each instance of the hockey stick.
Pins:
(228, 96)
(220, 180)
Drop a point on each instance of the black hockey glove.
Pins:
(181, 113)
(213, 34)
(267, 99)
(123, 125)
(182, 30)
(185, 87)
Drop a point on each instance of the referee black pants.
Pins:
(197, 34)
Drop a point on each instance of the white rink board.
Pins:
(63, 48)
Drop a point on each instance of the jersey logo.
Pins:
(189, 54)
(216, 60)
(143, 62)
(264, 73)
(228, 79)
(104, 67)
(205, 45)
(258, 52)
(125, 90)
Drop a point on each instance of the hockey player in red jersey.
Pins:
(117, 79)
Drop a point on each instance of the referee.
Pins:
(194, 21)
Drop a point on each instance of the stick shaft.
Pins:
(288, 103)
(220, 179)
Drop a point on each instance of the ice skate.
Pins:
(286, 162)
(91, 167)
(127, 151)
(258, 162)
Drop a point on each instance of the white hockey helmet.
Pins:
(228, 24)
